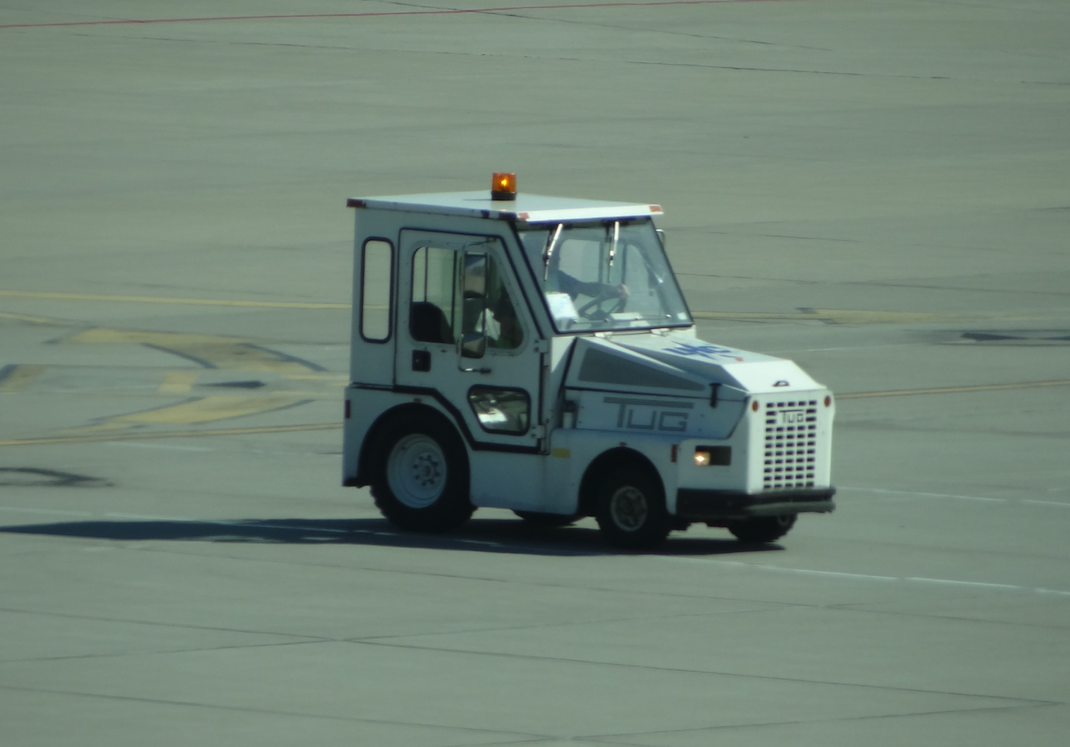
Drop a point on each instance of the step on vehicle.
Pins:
(536, 354)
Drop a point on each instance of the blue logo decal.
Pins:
(705, 351)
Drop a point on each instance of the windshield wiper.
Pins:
(549, 251)
(616, 240)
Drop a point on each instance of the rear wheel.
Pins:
(631, 509)
(762, 528)
(421, 479)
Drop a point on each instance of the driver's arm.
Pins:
(574, 287)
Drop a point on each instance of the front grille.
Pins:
(790, 444)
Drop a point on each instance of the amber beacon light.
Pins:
(503, 186)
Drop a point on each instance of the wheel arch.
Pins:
(409, 409)
(604, 464)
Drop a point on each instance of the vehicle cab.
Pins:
(536, 354)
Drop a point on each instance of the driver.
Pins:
(510, 334)
(562, 288)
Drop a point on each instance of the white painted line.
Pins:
(884, 491)
(781, 569)
(734, 563)
(835, 573)
(962, 583)
(868, 577)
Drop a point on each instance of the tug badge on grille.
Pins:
(791, 417)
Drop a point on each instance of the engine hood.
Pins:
(680, 365)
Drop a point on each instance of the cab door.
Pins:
(464, 338)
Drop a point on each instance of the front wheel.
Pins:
(763, 528)
(421, 480)
(631, 509)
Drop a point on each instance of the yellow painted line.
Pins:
(829, 316)
(204, 410)
(172, 301)
(178, 382)
(26, 318)
(955, 389)
(97, 438)
(311, 394)
(209, 351)
(833, 316)
(209, 409)
(340, 379)
(19, 377)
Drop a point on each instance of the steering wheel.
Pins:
(593, 310)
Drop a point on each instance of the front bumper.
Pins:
(703, 505)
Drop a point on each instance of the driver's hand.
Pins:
(622, 291)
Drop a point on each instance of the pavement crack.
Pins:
(157, 623)
(266, 711)
(798, 71)
(165, 652)
(709, 672)
(844, 720)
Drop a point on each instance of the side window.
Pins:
(432, 316)
(375, 295)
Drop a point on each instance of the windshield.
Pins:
(604, 276)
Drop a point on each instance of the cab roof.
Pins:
(526, 208)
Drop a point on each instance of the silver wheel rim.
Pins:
(628, 508)
(416, 470)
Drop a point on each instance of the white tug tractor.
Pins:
(536, 354)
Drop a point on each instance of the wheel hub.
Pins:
(629, 509)
(416, 469)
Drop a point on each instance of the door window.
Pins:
(458, 293)
(432, 317)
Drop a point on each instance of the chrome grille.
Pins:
(790, 444)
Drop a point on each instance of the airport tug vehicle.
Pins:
(536, 354)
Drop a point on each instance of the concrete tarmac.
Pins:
(876, 189)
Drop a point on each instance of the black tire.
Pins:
(541, 519)
(630, 509)
(763, 528)
(420, 477)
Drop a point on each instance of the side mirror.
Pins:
(473, 345)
